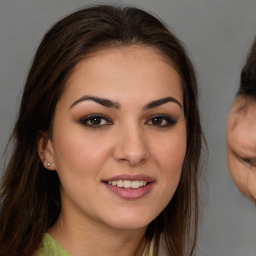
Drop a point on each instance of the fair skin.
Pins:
(120, 120)
(241, 145)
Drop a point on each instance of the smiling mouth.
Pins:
(130, 187)
(128, 183)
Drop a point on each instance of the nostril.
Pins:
(131, 147)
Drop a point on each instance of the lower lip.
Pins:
(130, 193)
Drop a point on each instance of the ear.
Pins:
(45, 150)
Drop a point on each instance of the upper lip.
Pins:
(131, 177)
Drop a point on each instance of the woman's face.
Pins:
(119, 138)
(241, 145)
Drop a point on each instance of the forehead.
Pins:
(241, 125)
(122, 68)
(137, 52)
(242, 110)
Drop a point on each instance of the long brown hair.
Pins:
(29, 193)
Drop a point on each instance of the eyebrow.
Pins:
(101, 101)
(110, 104)
(157, 103)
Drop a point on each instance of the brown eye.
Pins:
(95, 121)
(157, 121)
(161, 121)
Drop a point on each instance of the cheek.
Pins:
(237, 172)
(235, 167)
(170, 151)
(169, 155)
(79, 159)
(76, 151)
(251, 186)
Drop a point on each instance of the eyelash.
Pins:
(169, 121)
(160, 121)
(249, 162)
(96, 117)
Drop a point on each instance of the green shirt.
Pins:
(50, 247)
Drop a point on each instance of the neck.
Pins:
(83, 237)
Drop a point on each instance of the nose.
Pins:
(131, 146)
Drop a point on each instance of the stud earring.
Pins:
(48, 164)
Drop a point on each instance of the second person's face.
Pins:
(119, 138)
(241, 145)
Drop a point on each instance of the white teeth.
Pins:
(128, 183)
(120, 183)
(143, 183)
(136, 184)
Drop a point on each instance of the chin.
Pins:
(131, 222)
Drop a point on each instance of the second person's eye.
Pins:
(251, 162)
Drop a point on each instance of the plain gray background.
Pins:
(217, 35)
